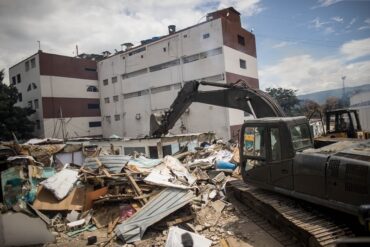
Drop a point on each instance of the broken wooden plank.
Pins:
(137, 189)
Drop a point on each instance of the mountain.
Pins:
(321, 96)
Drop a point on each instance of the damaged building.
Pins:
(145, 79)
(80, 97)
(63, 91)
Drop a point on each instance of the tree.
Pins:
(331, 103)
(309, 107)
(13, 118)
(286, 98)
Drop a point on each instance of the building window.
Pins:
(19, 78)
(115, 98)
(36, 103)
(164, 49)
(241, 40)
(164, 65)
(191, 58)
(105, 82)
(27, 65)
(20, 97)
(206, 36)
(92, 106)
(107, 118)
(90, 69)
(94, 124)
(92, 89)
(185, 35)
(243, 64)
(210, 53)
(202, 55)
(135, 94)
(117, 117)
(106, 100)
(114, 79)
(33, 63)
(38, 125)
(30, 104)
(14, 80)
(160, 89)
(31, 86)
(134, 73)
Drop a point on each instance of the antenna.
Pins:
(63, 124)
(38, 41)
(343, 89)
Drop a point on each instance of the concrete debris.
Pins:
(97, 197)
(72, 216)
(171, 173)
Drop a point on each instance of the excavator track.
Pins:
(309, 227)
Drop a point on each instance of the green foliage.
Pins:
(287, 99)
(13, 118)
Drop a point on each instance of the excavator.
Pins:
(277, 151)
(339, 124)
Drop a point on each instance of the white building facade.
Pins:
(361, 102)
(63, 91)
(143, 80)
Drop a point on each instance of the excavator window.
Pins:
(300, 137)
(254, 145)
(253, 142)
(275, 144)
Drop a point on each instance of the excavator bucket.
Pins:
(155, 123)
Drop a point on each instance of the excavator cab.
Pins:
(268, 147)
(343, 123)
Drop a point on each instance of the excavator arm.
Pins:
(237, 96)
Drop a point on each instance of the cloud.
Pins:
(247, 7)
(366, 26)
(356, 49)
(326, 3)
(338, 19)
(351, 23)
(283, 44)
(94, 25)
(308, 74)
(329, 30)
(316, 23)
(322, 25)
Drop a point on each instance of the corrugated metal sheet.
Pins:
(165, 203)
(114, 163)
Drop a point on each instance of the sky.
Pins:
(307, 45)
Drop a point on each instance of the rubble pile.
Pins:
(86, 196)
